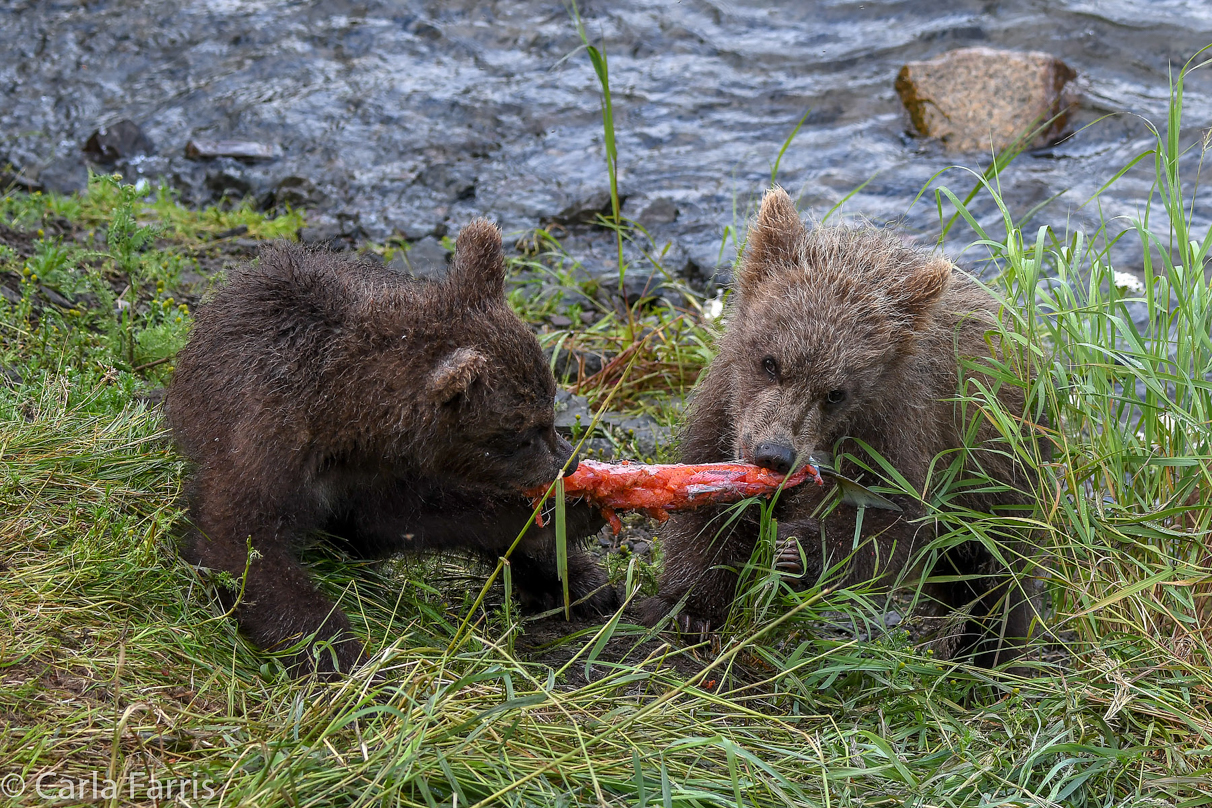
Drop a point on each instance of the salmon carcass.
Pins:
(658, 489)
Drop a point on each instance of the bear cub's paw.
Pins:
(589, 591)
(655, 609)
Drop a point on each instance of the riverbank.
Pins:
(402, 119)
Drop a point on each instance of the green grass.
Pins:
(116, 658)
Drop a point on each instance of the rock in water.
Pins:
(661, 210)
(246, 150)
(296, 192)
(66, 175)
(426, 258)
(585, 207)
(117, 141)
(972, 97)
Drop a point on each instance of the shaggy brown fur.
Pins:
(317, 392)
(845, 333)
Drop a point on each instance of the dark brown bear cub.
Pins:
(317, 392)
(836, 333)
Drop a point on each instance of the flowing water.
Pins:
(409, 117)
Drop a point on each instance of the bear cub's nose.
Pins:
(777, 457)
(564, 452)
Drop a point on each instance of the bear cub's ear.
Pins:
(455, 374)
(924, 287)
(772, 241)
(477, 274)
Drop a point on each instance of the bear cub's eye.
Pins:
(511, 443)
(771, 367)
(835, 397)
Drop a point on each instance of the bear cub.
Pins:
(836, 334)
(321, 393)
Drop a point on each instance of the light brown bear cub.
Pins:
(835, 333)
(317, 392)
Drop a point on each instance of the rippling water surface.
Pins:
(410, 116)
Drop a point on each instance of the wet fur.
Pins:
(857, 310)
(319, 392)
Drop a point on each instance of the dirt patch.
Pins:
(210, 261)
(202, 262)
(20, 242)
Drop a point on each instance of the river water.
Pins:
(409, 117)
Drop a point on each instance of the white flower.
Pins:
(1127, 281)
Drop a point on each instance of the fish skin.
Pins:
(853, 493)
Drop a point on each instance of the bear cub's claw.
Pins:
(788, 558)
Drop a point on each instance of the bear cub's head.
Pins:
(489, 393)
(820, 325)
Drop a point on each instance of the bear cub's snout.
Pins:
(774, 455)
